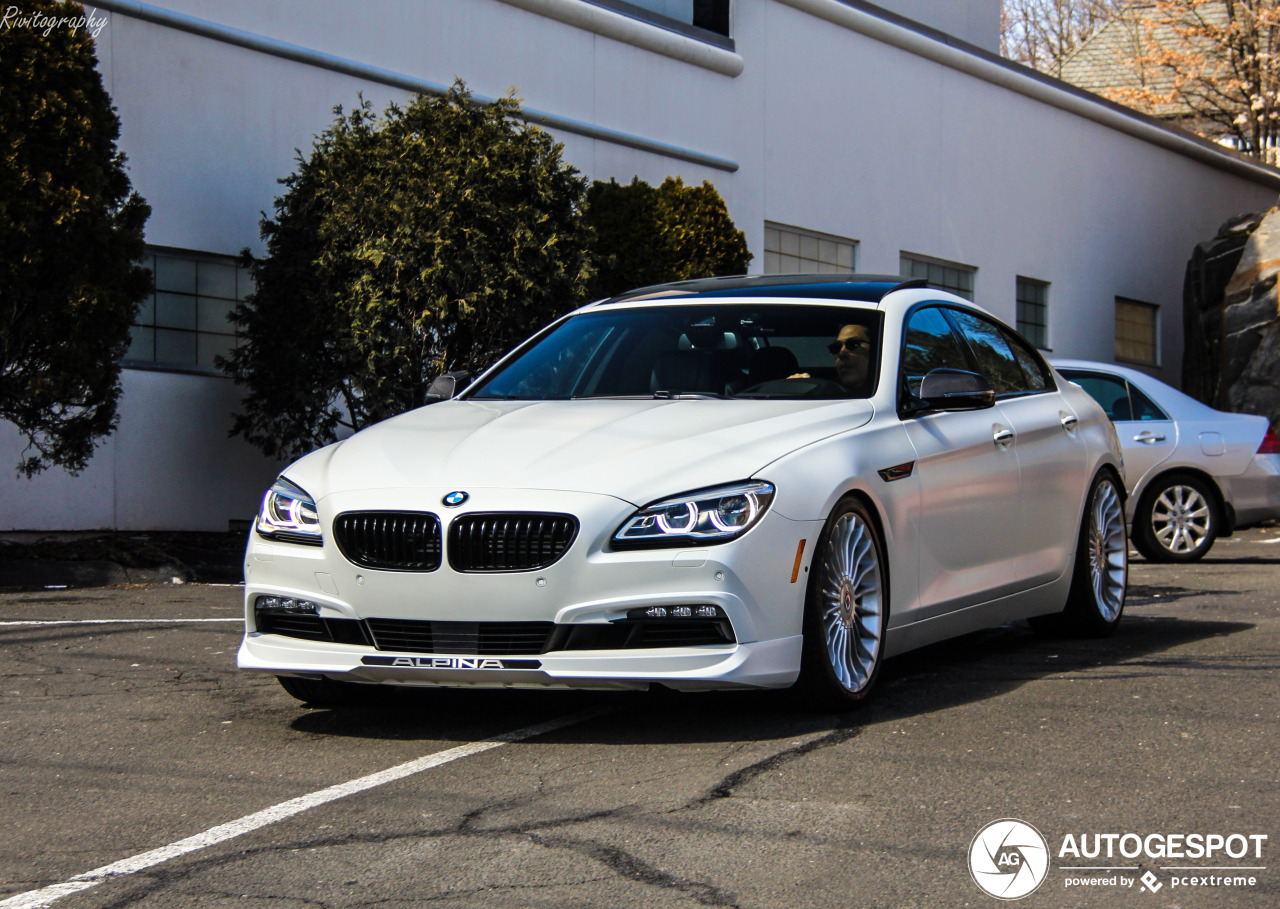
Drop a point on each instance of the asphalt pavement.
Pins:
(138, 767)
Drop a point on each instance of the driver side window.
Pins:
(930, 343)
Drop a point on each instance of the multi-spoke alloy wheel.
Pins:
(847, 609)
(1176, 520)
(1108, 551)
(1096, 599)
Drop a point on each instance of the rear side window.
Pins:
(1123, 402)
(1006, 360)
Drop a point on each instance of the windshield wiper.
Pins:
(662, 394)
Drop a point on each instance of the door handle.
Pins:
(1001, 435)
(1147, 437)
(1068, 421)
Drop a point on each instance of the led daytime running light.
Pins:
(707, 516)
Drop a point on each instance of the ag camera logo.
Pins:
(1009, 859)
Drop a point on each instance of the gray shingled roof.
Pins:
(1107, 59)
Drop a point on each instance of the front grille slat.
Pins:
(461, 638)
(514, 541)
(389, 540)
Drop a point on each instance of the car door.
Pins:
(968, 481)
(1147, 436)
(1052, 459)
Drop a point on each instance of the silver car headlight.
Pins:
(700, 518)
(288, 514)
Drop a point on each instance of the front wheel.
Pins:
(1101, 572)
(1176, 520)
(846, 611)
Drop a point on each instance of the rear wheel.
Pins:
(326, 692)
(1100, 576)
(1176, 520)
(846, 611)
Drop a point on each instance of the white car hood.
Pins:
(636, 450)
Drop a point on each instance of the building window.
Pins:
(1137, 332)
(949, 276)
(687, 16)
(790, 250)
(1033, 311)
(184, 322)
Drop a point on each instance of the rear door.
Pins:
(1052, 459)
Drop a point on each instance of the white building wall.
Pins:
(808, 122)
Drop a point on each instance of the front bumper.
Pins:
(769, 664)
(750, 580)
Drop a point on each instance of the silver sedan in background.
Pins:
(1194, 473)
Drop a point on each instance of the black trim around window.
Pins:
(711, 20)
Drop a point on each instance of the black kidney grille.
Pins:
(391, 540)
(516, 541)
(460, 638)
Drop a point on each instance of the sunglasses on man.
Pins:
(853, 345)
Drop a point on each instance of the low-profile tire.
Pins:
(326, 692)
(1100, 575)
(846, 611)
(1177, 519)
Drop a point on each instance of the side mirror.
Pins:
(446, 386)
(956, 389)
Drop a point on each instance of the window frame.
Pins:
(193, 258)
(1156, 353)
(821, 237)
(641, 13)
(1042, 305)
(970, 294)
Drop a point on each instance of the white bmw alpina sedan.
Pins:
(751, 482)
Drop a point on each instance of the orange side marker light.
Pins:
(795, 569)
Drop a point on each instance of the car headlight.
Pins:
(288, 514)
(700, 518)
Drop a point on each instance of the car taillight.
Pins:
(1270, 443)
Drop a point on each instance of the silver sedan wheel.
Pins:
(1108, 550)
(851, 603)
(1181, 519)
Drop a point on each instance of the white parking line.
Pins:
(16, 622)
(37, 899)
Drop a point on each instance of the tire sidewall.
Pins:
(817, 677)
(1083, 614)
(1144, 530)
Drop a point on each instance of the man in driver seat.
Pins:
(852, 350)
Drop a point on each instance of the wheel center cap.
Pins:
(848, 603)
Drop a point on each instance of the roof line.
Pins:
(913, 37)
(297, 53)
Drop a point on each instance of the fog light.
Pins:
(675, 612)
(289, 605)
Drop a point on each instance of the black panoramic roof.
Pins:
(863, 288)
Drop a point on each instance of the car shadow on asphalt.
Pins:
(973, 668)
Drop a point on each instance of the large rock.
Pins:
(1250, 332)
(1212, 267)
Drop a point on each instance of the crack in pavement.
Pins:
(727, 785)
(624, 864)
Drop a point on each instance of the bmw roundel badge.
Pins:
(454, 499)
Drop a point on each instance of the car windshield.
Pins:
(697, 350)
